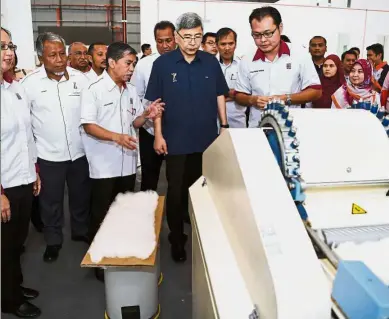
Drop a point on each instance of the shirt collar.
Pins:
(110, 84)
(43, 73)
(284, 49)
(234, 59)
(179, 57)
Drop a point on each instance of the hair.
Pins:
(189, 20)
(93, 45)
(377, 48)
(356, 49)
(117, 50)
(8, 32)
(163, 25)
(47, 36)
(144, 47)
(208, 35)
(223, 32)
(71, 46)
(319, 37)
(285, 38)
(349, 52)
(261, 13)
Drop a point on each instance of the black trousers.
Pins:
(151, 162)
(181, 172)
(36, 219)
(51, 199)
(104, 191)
(13, 234)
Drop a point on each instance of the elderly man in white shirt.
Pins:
(19, 180)
(150, 160)
(111, 111)
(54, 92)
(229, 62)
(277, 70)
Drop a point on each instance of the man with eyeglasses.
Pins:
(276, 70)
(192, 86)
(151, 161)
(78, 57)
(208, 44)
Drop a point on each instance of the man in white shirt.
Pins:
(275, 70)
(229, 62)
(78, 57)
(111, 111)
(97, 53)
(151, 162)
(54, 92)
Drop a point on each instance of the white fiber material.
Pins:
(375, 255)
(128, 229)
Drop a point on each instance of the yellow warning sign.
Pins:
(358, 210)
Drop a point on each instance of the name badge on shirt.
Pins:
(75, 93)
(18, 96)
(288, 66)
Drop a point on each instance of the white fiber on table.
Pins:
(128, 229)
(375, 254)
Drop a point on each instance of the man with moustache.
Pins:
(151, 162)
(54, 92)
(229, 62)
(78, 57)
(97, 54)
(110, 111)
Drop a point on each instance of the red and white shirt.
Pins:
(292, 71)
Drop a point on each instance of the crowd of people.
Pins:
(81, 118)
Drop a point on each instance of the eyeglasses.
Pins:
(188, 39)
(10, 46)
(266, 35)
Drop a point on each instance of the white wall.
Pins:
(341, 26)
(16, 17)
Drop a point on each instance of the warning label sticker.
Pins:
(357, 210)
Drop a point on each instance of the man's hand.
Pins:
(5, 209)
(260, 102)
(125, 140)
(278, 97)
(231, 95)
(154, 110)
(36, 188)
(160, 145)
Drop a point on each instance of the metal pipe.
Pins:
(77, 21)
(124, 20)
(101, 6)
(332, 257)
(348, 184)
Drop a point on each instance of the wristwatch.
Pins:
(224, 126)
(288, 100)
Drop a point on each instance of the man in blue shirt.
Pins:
(192, 86)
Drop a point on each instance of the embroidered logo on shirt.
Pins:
(18, 96)
(75, 85)
(174, 75)
(206, 76)
(256, 71)
(131, 100)
(288, 66)
(108, 104)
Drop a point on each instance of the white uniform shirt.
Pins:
(236, 114)
(103, 104)
(55, 110)
(140, 80)
(291, 72)
(92, 75)
(18, 152)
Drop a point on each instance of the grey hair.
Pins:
(8, 32)
(47, 36)
(189, 20)
(71, 46)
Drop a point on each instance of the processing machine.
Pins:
(291, 219)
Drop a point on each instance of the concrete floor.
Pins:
(68, 291)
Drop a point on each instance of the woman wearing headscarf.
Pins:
(359, 88)
(331, 80)
(19, 180)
